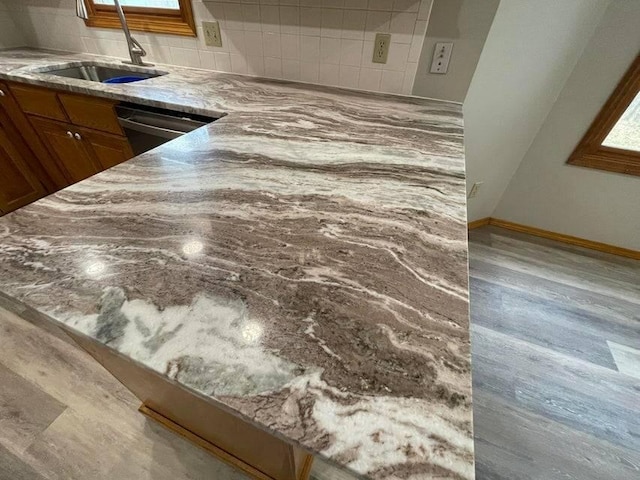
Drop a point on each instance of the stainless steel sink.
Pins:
(101, 73)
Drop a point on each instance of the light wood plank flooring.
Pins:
(553, 328)
(550, 401)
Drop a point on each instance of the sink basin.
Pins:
(100, 73)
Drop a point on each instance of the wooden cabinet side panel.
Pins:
(18, 185)
(48, 171)
(271, 455)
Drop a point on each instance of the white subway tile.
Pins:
(349, 76)
(290, 45)
(369, 79)
(310, 48)
(309, 71)
(319, 41)
(291, 69)
(273, 67)
(329, 74)
(351, 52)
(392, 81)
(330, 50)
(272, 46)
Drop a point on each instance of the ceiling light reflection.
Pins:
(95, 268)
(252, 332)
(192, 247)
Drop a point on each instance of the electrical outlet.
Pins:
(474, 189)
(212, 35)
(441, 57)
(381, 48)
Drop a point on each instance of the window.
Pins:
(613, 141)
(160, 16)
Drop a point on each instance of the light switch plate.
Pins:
(441, 57)
(381, 48)
(212, 35)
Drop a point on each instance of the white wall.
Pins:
(328, 42)
(529, 53)
(10, 34)
(466, 23)
(547, 193)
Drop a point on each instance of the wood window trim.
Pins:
(590, 152)
(157, 20)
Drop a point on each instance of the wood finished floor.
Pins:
(549, 401)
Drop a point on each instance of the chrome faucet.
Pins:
(136, 52)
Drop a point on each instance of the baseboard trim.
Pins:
(479, 223)
(560, 237)
(204, 444)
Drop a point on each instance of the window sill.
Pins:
(608, 159)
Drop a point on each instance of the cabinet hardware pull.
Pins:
(2, 94)
(69, 134)
(77, 136)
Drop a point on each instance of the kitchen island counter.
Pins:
(301, 262)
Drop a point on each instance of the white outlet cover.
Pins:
(441, 57)
(212, 35)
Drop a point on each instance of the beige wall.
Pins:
(329, 42)
(466, 23)
(545, 192)
(530, 51)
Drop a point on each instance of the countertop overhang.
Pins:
(301, 262)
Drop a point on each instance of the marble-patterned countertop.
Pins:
(301, 261)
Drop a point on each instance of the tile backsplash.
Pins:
(319, 41)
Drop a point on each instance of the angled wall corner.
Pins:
(547, 193)
(530, 52)
(466, 23)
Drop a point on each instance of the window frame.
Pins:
(590, 152)
(156, 20)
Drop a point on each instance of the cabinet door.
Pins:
(46, 169)
(18, 185)
(108, 150)
(70, 151)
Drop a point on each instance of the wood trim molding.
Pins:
(478, 223)
(204, 444)
(560, 237)
(590, 152)
(155, 20)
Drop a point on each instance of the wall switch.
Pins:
(212, 35)
(441, 57)
(381, 48)
(474, 189)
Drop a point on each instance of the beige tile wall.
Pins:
(319, 41)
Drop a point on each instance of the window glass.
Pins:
(625, 133)
(171, 4)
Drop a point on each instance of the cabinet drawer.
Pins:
(39, 101)
(91, 112)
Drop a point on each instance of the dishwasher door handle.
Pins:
(150, 129)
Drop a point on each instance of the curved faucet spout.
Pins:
(136, 52)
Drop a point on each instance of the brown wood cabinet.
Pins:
(82, 151)
(52, 139)
(108, 150)
(69, 151)
(19, 186)
(40, 162)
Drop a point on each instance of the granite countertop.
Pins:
(302, 261)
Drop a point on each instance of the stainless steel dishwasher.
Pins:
(150, 127)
